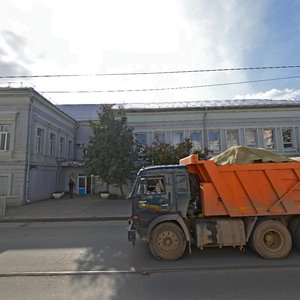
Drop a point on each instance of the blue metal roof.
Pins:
(82, 112)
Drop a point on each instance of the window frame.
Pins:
(7, 136)
(210, 140)
(181, 137)
(255, 137)
(197, 146)
(62, 146)
(237, 137)
(70, 148)
(40, 140)
(273, 138)
(157, 134)
(52, 144)
(293, 139)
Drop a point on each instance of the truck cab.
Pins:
(163, 195)
(158, 192)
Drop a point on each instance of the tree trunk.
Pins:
(121, 189)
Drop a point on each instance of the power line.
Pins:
(169, 88)
(149, 73)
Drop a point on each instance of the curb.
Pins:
(65, 219)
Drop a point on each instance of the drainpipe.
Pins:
(27, 201)
(205, 128)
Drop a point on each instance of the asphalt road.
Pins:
(93, 260)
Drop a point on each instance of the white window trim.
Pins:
(177, 131)
(70, 148)
(220, 140)
(62, 147)
(50, 144)
(273, 129)
(6, 144)
(293, 139)
(160, 132)
(201, 138)
(238, 136)
(40, 147)
(9, 176)
(256, 136)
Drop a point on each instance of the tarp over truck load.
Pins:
(256, 189)
(247, 155)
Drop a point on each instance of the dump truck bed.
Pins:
(258, 189)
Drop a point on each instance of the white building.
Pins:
(41, 145)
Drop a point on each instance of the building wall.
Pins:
(27, 121)
(268, 123)
(14, 110)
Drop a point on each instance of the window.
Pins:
(214, 141)
(196, 138)
(269, 139)
(141, 138)
(232, 137)
(52, 144)
(159, 137)
(177, 137)
(70, 149)
(250, 137)
(4, 184)
(40, 140)
(5, 131)
(287, 138)
(61, 147)
(155, 186)
(141, 141)
(181, 185)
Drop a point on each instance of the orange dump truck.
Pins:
(203, 204)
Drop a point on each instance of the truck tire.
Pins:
(271, 239)
(167, 241)
(294, 228)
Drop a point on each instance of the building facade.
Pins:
(35, 135)
(273, 125)
(41, 145)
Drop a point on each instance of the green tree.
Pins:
(110, 153)
(163, 153)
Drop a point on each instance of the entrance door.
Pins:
(90, 185)
(81, 183)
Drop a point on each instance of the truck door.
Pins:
(182, 193)
(155, 199)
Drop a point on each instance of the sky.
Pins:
(107, 39)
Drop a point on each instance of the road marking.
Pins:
(147, 271)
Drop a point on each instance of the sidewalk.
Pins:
(80, 208)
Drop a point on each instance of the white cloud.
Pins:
(117, 36)
(274, 94)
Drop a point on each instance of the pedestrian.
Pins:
(71, 188)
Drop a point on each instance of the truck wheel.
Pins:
(167, 241)
(271, 239)
(294, 228)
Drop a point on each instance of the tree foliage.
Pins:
(110, 153)
(163, 153)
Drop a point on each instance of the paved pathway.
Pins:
(89, 207)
